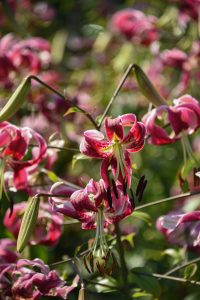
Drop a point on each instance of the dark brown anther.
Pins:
(85, 264)
(140, 184)
(109, 197)
(132, 199)
(115, 189)
(142, 191)
(125, 188)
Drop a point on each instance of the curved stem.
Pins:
(190, 194)
(182, 266)
(126, 74)
(58, 93)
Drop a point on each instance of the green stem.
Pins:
(124, 270)
(126, 74)
(63, 97)
(190, 194)
(160, 276)
(182, 266)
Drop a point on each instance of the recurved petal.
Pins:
(94, 145)
(114, 128)
(135, 138)
(128, 119)
(182, 119)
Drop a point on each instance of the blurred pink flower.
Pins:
(135, 26)
(14, 143)
(7, 253)
(181, 228)
(31, 280)
(48, 227)
(184, 116)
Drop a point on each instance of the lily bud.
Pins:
(81, 294)
(147, 88)
(28, 223)
(16, 100)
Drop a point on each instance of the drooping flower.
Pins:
(115, 151)
(183, 117)
(95, 207)
(182, 229)
(84, 204)
(31, 280)
(48, 227)
(14, 146)
(135, 25)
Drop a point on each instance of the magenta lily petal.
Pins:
(93, 144)
(114, 128)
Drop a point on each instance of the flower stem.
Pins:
(190, 194)
(124, 271)
(63, 97)
(126, 74)
(182, 266)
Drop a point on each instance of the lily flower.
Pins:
(95, 207)
(31, 280)
(115, 151)
(182, 117)
(14, 145)
(181, 228)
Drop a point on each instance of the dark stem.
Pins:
(182, 266)
(124, 271)
(63, 97)
(190, 194)
(126, 74)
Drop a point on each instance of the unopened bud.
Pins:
(147, 88)
(16, 100)
(28, 223)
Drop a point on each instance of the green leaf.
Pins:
(92, 30)
(107, 281)
(28, 223)
(52, 176)
(147, 88)
(129, 238)
(190, 271)
(143, 216)
(143, 278)
(72, 110)
(142, 295)
(77, 157)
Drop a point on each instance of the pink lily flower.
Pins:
(134, 25)
(95, 207)
(84, 205)
(181, 228)
(184, 116)
(115, 151)
(14, 144)
(7, 253)
(31, 280)
(48, 227)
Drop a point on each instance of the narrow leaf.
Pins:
(147, 88)
(28, 223)
(142, 216)
(16, 100)
(190, 271)
(72, 110)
